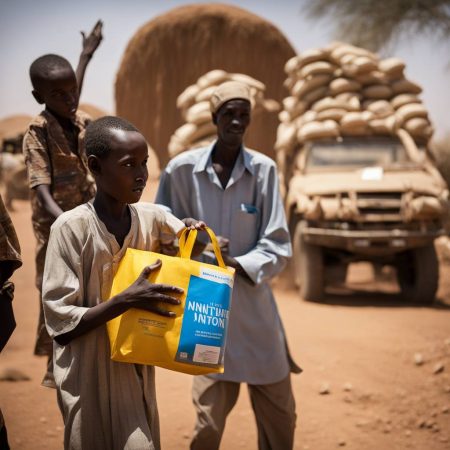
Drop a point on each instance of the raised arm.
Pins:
(90, 44)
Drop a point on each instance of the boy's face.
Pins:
(232, 120)
(122, 174)
(59, 92)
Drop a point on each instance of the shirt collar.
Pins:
(205, 161)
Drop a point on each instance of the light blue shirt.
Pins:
(249, 212)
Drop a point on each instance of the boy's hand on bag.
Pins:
(194, 224)
(145, 295)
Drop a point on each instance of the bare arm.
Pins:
(90, 44)
(45, 198)
(141, 294)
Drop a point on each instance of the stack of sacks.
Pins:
(345, 90)
(194, 105)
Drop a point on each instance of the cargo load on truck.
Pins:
(355, 170)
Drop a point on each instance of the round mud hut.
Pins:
(173, 50)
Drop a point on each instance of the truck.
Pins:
(362, 196)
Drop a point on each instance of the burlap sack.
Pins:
(409, 111)
(343, 49)
(205, 94)
(289, 82)
(187, 97)
(392, 67)
(212, 78)
(405, 86)
(284, 116)
(356, 119)
(189, 132)
(377, 91)
(294, 107)
(379, 108)
(351, 104)
(318, 130)
(286, 136)
(250, 81)
(404, 99)
(374, 77)
(335, 114)
(315, 94)
(291, 65)
(359, 65)
(312, 55)
(386, 126)
(417, 126)
(317, 68)
(339, 85)
(198, 113)
(305, 86)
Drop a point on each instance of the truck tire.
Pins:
(309, 270)
(418, 274)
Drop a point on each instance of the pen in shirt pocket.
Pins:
(250, 209)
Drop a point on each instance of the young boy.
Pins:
(105, 404)
(57, 174)
(9, 262)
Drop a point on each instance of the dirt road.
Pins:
(358, 347)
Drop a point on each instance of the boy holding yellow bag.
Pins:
(106, 404)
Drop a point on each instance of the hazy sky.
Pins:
(30, 28)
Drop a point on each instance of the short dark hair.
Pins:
(98, 134)
(41, 68)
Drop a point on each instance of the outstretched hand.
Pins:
(93, 39)
(143, 294)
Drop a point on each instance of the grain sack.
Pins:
(379, 108)
(310, 56)
(335, 114)
(377, 91)
(359, 65)
(200, 117)
(339, 85)
(289, 82)
(291, 66)
(270, 105)
(187, 97)
(352, 104)
(294, 107)
(384, 126)
(318, 130)
(205, 94)
(147, 86)
(315, 94)
(405, 86)
(392, 67)
(250, 81)
(212, 78)
(343, 49)
(304, 86)
(189, 132)
(356, 119)
(286, 136)
(417, 126)
(374, 77)
(284, 116)
(317, 68)
(404, 99)
(409, 111)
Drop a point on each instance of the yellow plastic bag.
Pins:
(194, 341)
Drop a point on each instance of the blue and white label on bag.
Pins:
(205, 321)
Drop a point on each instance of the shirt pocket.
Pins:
(246, 226)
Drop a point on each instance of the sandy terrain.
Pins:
(358, 346)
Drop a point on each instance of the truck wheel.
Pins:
(309, 271)
(418, 274)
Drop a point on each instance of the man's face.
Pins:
(232, 120)
(122, 173)
(59, 92)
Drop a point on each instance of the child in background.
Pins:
(57, 173)
(106, 404)
(9, 262)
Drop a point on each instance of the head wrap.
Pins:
(230, 90)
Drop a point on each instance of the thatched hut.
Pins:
(172, 51)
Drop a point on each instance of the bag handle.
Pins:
(187, 244)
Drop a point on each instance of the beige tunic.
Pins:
(105, 404)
